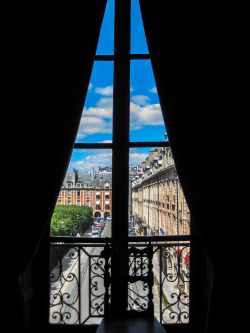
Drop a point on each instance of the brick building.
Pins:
(158, 203)
(88, 189)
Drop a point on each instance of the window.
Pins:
(121, 145)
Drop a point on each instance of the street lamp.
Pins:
(62, 225)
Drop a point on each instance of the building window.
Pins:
(78, 193)
(134, 148)
(69, 193)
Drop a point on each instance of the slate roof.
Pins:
(88, 180)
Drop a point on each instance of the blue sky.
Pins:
(146, 121)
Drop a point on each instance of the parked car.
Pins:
(99, 226)
(95, 233)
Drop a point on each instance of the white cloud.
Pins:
(106, 91)
(153, 90)
(105, 141)
(140, 99)
(102, 159)
(145, 115)
(99, 112)
(105, 102)
(98, 118)
(137, 158)
(93, 125)
(90, 86)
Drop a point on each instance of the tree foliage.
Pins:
(67, 219)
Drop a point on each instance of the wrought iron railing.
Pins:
(77, 282)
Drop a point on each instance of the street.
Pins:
(77, 287)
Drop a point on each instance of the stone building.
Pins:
(158, 203)
(88, 189)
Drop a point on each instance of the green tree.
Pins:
(67, 219)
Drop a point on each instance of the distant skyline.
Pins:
(146, 121)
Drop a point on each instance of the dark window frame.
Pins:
(120, 146)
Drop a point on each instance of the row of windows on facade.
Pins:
(78, 203)
(78, 185)
(98, 196)
(162, 204)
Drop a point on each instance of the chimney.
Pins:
(74, 177)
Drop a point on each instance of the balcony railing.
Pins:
(77, 282)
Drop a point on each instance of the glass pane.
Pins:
(106, 38)
(157, 206)
(138, 38)
(96, 121)
(146, 120)
(84, 204)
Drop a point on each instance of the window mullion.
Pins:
(121, 103)
(120, 164)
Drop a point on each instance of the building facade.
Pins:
(158, 203)
(88, 189)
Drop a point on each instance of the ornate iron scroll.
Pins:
(140, 280)
(64, 281)
(76, 284)
(173, 282)
(81, 280)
